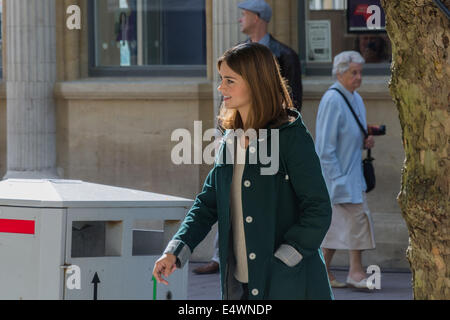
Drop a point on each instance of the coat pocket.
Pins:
(286, 283)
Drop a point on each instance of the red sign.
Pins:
(361, 10)
(365, 16)
(17, 226)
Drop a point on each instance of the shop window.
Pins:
(328, 27)
(147, 38)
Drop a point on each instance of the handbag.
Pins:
(368, 169)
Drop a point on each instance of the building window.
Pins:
(329, 27)
(147, 38)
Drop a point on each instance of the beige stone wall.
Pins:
(72, 52)
(119, 132)
(284, 22)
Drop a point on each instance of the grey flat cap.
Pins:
(259, 7)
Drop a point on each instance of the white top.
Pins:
(237, 218)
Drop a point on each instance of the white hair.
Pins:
(342, 61)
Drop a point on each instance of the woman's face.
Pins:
(234, 89)
(352, 78)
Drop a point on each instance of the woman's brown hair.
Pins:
(256, 64)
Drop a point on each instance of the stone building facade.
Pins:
(116, 129)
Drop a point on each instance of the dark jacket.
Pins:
(291, 207)
(290, 69)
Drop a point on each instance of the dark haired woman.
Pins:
(270, 225)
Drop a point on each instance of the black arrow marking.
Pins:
(95, 281)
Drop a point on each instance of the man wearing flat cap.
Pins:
(256, 15)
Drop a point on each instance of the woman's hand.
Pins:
(164, 266)
(369, 143)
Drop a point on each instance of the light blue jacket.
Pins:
(339, 144)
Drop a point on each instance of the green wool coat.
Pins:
(291, 207)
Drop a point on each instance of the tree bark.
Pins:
(420, 35)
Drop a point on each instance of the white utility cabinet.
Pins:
(69, 239)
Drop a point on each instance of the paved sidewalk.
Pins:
(395, 285)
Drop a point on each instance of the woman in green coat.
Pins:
(272, 206)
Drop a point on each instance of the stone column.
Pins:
(226, 34)
(281, 21)
(30, 77)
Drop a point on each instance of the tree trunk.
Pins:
(419, 33)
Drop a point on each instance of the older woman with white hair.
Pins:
(339, 144)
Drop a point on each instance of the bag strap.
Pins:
(353, 112)
(356, 118)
